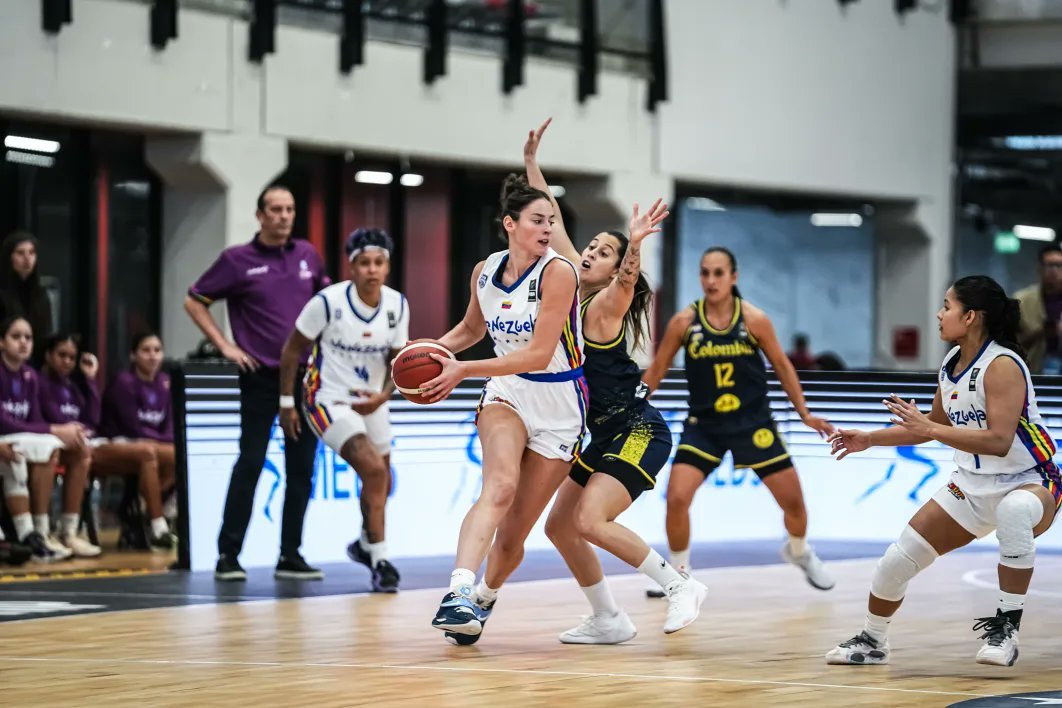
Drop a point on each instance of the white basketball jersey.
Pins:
(511, 312)
(963, 396)
(352, 341)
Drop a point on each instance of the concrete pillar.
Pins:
(212, 183)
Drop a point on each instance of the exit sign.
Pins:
(1007, 242)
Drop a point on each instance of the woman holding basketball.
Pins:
(630, 441)
(355, 327)
(532, 412)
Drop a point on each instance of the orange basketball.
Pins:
(414, 366)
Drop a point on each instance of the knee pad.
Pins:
(16, 477)
(1016, 516)
(910, 555)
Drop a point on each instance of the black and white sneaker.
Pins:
(1001, 640)
(41, 550)
(12, 553)
(229, 569)
(358, 554)
(165, 542)
(860, 650)
(385, 576)
(295, 567)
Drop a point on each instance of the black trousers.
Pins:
(259, 404)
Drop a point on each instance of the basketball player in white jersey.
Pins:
(532, 412)
(356, 327)
(1006, 481)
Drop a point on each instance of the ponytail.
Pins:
(1002, 314)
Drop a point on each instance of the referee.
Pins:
(266, 282)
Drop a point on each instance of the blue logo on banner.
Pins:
(912, 454)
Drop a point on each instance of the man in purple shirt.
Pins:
(266, 283)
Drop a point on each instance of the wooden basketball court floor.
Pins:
(759, 641)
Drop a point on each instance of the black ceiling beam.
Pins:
(903, 6)
(587, 49)
(55, 14)
(263, 29)
(515, 48)
(352, 43)
(657, 55)
(163, 22)
(435, 51)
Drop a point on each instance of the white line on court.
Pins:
(455, 669)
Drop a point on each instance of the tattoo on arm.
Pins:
(630, 267)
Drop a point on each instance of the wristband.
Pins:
(287, 401)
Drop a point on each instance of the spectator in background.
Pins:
(66, 400)
(21, 292)
(138, 409)
(1040, 331)
(801, 356)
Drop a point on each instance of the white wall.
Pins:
(783, 94)
(807, 96)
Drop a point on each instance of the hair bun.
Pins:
(513, 183)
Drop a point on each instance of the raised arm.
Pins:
(760, 327)
(669, 346)
(472, 327)
(610, 307)
(560, 241)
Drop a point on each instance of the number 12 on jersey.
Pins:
(724, 375)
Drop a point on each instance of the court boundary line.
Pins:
(972, 577)
(483, 670)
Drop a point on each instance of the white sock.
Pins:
(601, 601)
(42, 524)
(877, 627)
(377, 551)
(485, 594)
(462, 580)
(159, 526)
(1010, 601)
(23, 525)
(659, 569)
(798, 545)
(681, 561)
(68, 524)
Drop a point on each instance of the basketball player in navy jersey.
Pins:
(630, 441)
(725, 339)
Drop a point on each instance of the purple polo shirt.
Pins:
(63, 401)
(134, 408)
(20, 410)
(266, 288)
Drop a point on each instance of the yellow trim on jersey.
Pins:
(709, 327)
(611, 345)
(702, 453)
(758, 465)
(585, 466)
(591, 343)
(1037, 438)
(649, 477)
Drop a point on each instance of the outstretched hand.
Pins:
(642, 225)
(534, 138)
